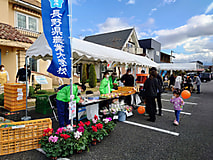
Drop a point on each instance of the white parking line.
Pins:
(153, 128)
(167, 100)
(168, 110)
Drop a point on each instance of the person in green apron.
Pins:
(113, 81)
(105, 84)
(62, 100)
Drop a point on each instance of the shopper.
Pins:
(198, 83)
(4, 76)
(21, 76)
(128, 78)
(159, 91)
(178, 82)
(178, 105)
(171, 80)
(150, 93)
(105, 84)
(189, 83)
(62, 102)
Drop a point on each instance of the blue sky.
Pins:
(184, 26)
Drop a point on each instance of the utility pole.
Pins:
(171, 62)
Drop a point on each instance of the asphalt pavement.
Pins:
(144, 140)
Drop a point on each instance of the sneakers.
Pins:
(175, 123)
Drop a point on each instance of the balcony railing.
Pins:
(28, 33)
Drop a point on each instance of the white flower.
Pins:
(77, 134)
(106, 121)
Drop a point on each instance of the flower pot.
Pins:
(121, 116)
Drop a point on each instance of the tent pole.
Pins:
(26, 118)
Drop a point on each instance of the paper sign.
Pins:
(19, 89)
(19, 126)
(19, 98)
(129, 114)
(115, 117)
(72, 109)
(41, 79)
(20, 94)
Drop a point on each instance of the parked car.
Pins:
(205, 77)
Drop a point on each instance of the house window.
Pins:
(25, 21)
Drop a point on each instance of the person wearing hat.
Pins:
(62, 102)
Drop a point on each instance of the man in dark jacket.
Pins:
(128, 78)
(150, 93)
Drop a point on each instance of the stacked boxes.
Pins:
(22, 136)
(14, 96)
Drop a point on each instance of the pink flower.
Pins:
(59, 130)
(94, 121)
(109, 118)
(53, 139)
(81, 129)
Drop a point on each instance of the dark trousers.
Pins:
(177, 115)
(63, 113)
(159, 103)
(151, 107)
(198, 88)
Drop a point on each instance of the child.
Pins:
(178, 105)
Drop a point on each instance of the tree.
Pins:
(92, 76)
(84, 74)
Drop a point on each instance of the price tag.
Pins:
(19, 126)
(115, 117)
(20, 93)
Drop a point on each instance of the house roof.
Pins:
(10, 33)
(115, 39)
(32, 2)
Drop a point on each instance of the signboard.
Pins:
(41, 79)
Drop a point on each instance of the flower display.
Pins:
(105, 120)
(96, 117)
(48, 131)
(53, 139)
(60, 130)
(81, 129)
(128, 108)
(109, 118)
(94, 121)
(77, 134)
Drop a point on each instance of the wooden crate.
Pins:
(24, 136)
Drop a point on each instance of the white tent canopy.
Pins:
(41, 49)
(178, 66)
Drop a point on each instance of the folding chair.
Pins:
(52, 100)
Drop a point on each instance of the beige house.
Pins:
(20, 26)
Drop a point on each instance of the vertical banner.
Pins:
(57, 32)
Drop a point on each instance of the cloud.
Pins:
(169, 1)
(197, 26)
(77, 2)
(87, 30)
(153, 10)
(206, 58)
(113, 24)
(209, 8)
(119, 0)
(131, 2)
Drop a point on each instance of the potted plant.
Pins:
(109, 125)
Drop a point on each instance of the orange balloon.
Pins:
(185, 94)
(141, 109)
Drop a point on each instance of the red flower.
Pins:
(48, 130)
(44, 135)
(96, 117)
(94, 128)
(65, 136)
(87, 123)
(99, 126)
(81, 124)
